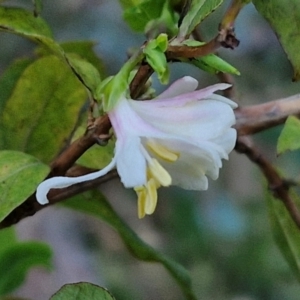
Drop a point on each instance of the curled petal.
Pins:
(63, 182)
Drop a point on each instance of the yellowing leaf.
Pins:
(42, 110)
(289, 138)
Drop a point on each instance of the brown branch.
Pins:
(231, 14)
(31, 206)
(68, 157)
(256, 118)
(225, 38)
(277, 185)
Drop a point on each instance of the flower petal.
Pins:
(131, 163)
(199, 120)
(184, 98)
(181, 86)
(194, 163)
(62, 182)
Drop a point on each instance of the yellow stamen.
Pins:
(161, 151)
(142, 195)
(151, 198)
(159, 173)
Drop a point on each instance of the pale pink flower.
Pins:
(176, 139)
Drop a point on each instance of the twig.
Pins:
(31, 206)
(277, 185)
(256, 118)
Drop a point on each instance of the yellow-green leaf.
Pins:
(20, 174)
(23, 22)
(42, 110)
(289, 138)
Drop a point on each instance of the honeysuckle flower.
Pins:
(178, 138)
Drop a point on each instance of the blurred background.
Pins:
(222, 236)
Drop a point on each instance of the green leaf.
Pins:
(84, 71)
(23, 22)
(82, 291)
(284, 17)
(114, 88)
(140, 15)
(85, 49)
(81, 58)
(289, 138)
(155, 56)
(10, 77)
(199, 10)
(212, 63)
(53, 93)
(285, 231)
(95, 204)
(17, 259)
(20, 174)
(7, 238)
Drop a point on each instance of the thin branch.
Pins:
(277, 185)
(256, 118)
(31, 206)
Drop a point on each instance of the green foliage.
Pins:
(285, 231)
(23, 22)
(17, 258)
(7, 238)
(10, 77)
(95, 204)
(212, 63)
(198, 11)
(56, 98)
(289, 138)
(20, 174)
(138, 16)
(85, 49)
(85, 72)
(82, 291)
(155, 56)
(113, 88)
(284, 17)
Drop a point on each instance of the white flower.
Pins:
(176, 139)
